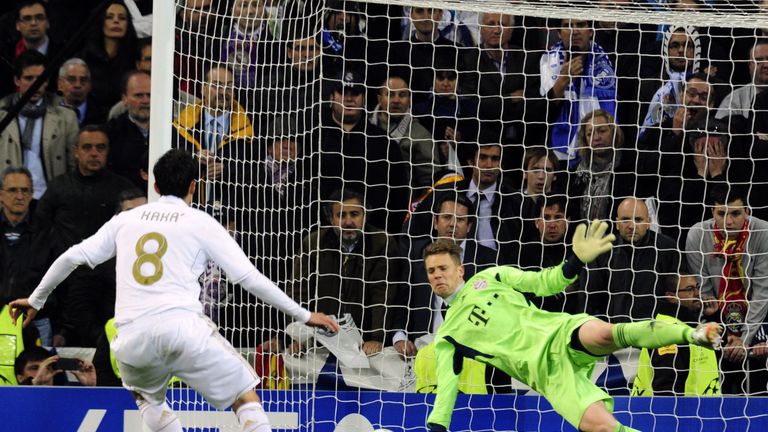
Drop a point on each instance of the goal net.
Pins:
(336, 139)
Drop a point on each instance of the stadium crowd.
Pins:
(336, 143)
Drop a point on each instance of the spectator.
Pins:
(25, 248)
(75, 87)
(350, 269)
(43, 134)
(416, 311)
(417, 148)
(605, 173)
(622, 285)
(449, 116)
(681, 54)
(32, 26)
(219, 133)
(502, 75)
(37, 366)
(110, 52)
(76, 205)
(345, 46)
(129, 132)
(730, 251)
(577, 78)
(551, 249)
(250, 50)
(742, 100)
(195, 20)
(358, 155)
(490, 195)
(678, 370)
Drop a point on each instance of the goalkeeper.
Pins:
(490, 320)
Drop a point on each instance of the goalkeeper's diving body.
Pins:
(490, 320)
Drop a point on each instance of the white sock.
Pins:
(252, 418)
(158, 418)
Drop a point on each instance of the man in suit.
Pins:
(75, 88)
(416, 311)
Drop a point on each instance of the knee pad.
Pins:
(159, 418)
(252, 418)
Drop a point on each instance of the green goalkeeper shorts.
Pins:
(568, 384)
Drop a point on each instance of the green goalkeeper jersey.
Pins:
(490, 320)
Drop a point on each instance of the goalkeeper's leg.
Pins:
(600, 338)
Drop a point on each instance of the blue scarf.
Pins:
(595, 90)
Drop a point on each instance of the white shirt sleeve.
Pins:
(225, 251)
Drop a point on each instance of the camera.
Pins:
(68, 364)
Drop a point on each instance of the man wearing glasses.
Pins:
(25, 250)
(75, 87)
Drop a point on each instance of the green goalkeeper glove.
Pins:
(590, 243)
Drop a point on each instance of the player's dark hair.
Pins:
(444, 246)
(30, 354)
(174, 171)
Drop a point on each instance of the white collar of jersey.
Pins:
(170, 199)
(448, 300)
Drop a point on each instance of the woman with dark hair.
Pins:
(110, 52)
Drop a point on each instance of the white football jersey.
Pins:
(162, 248)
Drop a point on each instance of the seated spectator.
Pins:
(417, 148)
(75, 88)
(353, 153)
(37, 366)
(220, 133)
(415, 310)
(730, 252)
(450, 117)
(550, 250)
(502, 75)
(621, 286)
(742, 100)
(42, 136)
(25, 249)
(350, 268)
(32, 26)
(75, 206)
(110, 52)
(577, 78)
(129, 132)
(605, 173)
(681, 54)
(678, 370)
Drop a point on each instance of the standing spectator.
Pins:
(742, 100)
(622, 285)
(416, 311)
(678, 370)
(32, 25)
(502, 75)
(418, 150)
(110, 52)
(25, 247)
(350, 268)
(75, 87)
(76, 205)
(730, 251)
(577, 78)
(129, 132)
(43, 134)
(358, 155)
(195, 21)
(605, 173)
(219, 132)
(551, 249)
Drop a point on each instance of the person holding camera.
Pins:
(37, 366)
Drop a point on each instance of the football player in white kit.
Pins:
(161, 250)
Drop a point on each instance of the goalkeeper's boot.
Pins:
(707, 335)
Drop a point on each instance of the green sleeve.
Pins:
(447, 384)
(542, 283)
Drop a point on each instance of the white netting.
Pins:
(296, 106)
